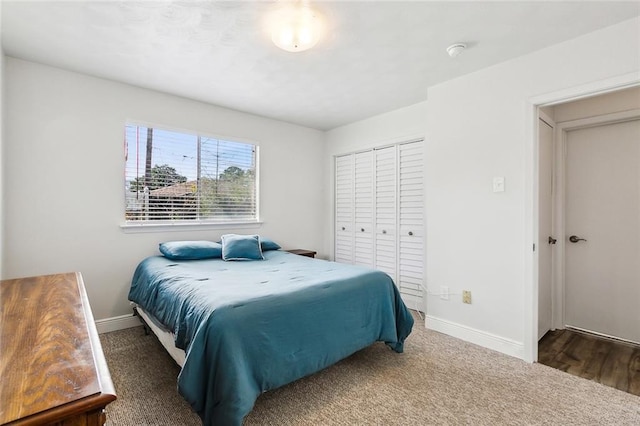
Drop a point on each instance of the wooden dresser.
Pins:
(52, 369)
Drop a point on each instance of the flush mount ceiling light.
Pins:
(296, 27)
(456, 49)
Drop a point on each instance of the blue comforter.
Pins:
(251, 326)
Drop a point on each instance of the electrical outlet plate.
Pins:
(466, 296)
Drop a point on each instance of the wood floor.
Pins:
(612, 363)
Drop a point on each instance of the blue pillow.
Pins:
(241, 247)
(268, 244)
(190, 250)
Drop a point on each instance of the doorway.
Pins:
(618, 84)
(588, 181)
(594, 268)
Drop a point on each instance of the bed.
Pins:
(242, 328)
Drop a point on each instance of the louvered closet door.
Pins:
(344, 209)
(386, 210)
(411, 221)
(363, 197)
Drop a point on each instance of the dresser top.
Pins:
(50, 355)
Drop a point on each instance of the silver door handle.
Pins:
(575, 239)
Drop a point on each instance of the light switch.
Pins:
(498, 184)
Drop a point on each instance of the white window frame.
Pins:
(136, 226)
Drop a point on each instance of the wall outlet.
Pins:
(444, 292)
(466, 296)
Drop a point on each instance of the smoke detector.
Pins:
(456, 49)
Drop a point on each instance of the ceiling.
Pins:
(375, 56)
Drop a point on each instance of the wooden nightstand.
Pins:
(303, 252)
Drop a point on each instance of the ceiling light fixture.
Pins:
(296, 27)
(456, 49)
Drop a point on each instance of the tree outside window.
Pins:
(173, 176)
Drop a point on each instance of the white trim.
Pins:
(599, 87)
(121, 322)
(554, 143)
(191, 132)
(557, 295)
(138, 227)
(530, 317)
(530, 237)
(383, 145)
(478, 337)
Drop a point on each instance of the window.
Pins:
(186, 178)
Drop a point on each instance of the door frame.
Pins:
(554, 205)
(562, 131)
(531, 216)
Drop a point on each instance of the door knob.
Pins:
(552, 240)
(575, 239)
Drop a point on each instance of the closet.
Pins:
(379, 214)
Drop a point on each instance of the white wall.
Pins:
(64, 162)
(479, 126)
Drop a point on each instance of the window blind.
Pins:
(174, 176)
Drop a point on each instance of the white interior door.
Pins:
(545, 190)
(363, 209)
(602, 260)
(386, 211)
(411, 241)
(344, 234)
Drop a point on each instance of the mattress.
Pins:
(250, 326)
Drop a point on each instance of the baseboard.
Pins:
(477, 337)
(117, 323)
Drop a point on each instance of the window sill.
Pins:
(135, 227)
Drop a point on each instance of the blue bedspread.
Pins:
(251, 326)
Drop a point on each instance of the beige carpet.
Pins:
(439, 380)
